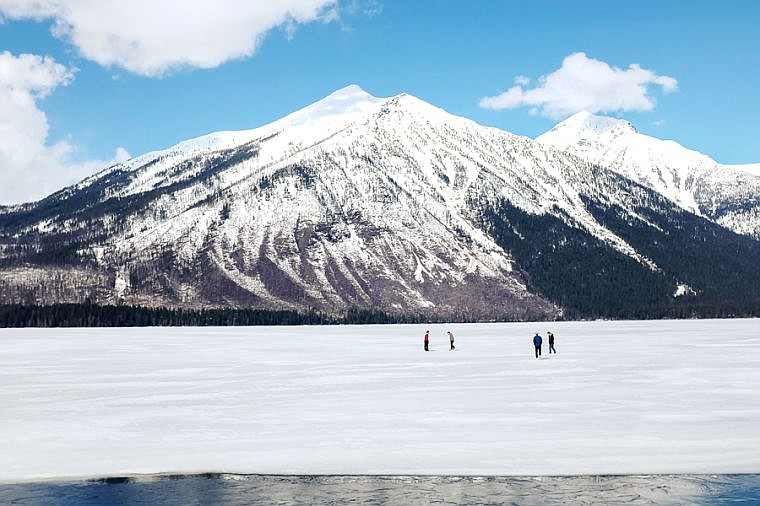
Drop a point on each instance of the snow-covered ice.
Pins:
(619, 397)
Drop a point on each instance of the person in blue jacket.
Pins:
(537, 343)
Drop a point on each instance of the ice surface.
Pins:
(619, 397)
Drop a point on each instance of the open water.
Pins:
(233, 490)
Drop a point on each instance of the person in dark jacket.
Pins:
(537, 343)
(551, 341)
(427, 340)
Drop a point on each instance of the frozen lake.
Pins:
(670, 397)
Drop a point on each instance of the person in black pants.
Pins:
(551, 342)
(537, 343)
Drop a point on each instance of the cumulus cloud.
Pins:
(584, 83)
(29, 168)
(146, 37)
(150, 37)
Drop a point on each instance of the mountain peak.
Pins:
(346, 101)
(584, 120)
(583, 127)
(350, 93)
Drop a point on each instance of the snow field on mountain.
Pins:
(618, 397)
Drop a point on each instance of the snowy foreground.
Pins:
(619, 397)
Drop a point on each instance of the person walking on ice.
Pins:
(537, 343)
(451, 341)
(427, 340)
(551, 341)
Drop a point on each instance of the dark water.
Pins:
(231, 489)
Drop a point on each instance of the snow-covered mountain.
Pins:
(357, 201)
(727, 194)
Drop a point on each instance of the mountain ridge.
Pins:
(726, 194)
(358, 201)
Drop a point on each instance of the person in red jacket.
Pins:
(427, 339)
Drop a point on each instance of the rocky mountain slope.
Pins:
(391, 204)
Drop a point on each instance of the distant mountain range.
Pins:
(396, 205)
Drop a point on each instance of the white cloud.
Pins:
(150, 37)
(146, 37)
(368, 8)
(522, 80)
(29, 168)
(583, 83)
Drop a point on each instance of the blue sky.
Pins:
(87, 82)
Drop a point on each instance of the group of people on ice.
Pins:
(427, 340)
(537, 342)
